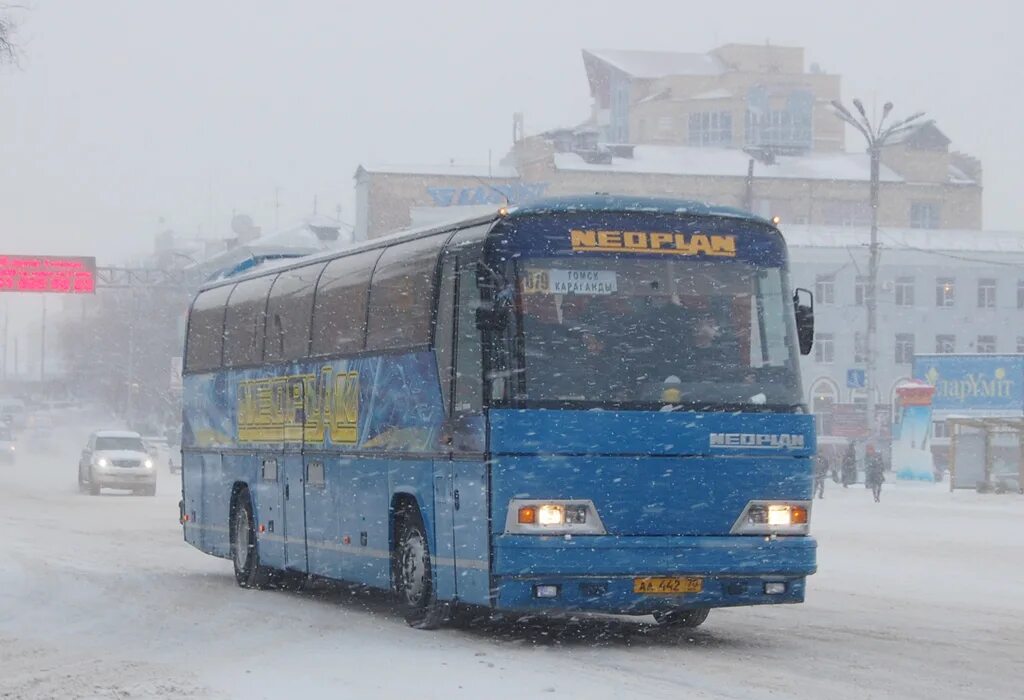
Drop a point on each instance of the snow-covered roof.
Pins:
(909, 239)
(667, 96)
(731, 162)
(117, 434)
(656, 64)
(455, 169)
(716, 94)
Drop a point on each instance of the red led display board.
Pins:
(46, 273)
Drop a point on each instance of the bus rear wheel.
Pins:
(412, 573)
(685, 619)
(245, 553)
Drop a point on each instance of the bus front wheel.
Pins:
(245, 553)
(412, 574)
(682, 618)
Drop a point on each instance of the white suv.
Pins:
(116, 459)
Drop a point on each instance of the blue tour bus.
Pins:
(584, 404)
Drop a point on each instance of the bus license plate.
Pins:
(668, 585)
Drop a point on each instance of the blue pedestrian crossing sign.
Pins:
(855, 379)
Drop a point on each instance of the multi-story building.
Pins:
(736, 95)
(742, 125)
(938, 292)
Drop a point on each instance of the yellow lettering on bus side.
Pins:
(583, 239)
(345, 423)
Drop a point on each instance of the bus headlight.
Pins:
(551, 514)
(552, 517)
(773, 517)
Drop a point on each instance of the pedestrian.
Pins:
(874, 472)
(821, 468)
(848, 473)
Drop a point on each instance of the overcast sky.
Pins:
(126, 112)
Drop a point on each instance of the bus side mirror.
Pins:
(803, 306)
(491, 319)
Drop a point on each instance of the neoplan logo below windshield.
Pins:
(651, 242)
(758, 441)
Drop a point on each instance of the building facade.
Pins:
(938, 292)
(744, 126)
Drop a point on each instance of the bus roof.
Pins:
(592, 203)
(628, 204)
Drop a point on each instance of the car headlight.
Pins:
(102, 462)
(148, 464)
(552, 517)
(774, 517)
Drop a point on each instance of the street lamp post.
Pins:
(876, 137)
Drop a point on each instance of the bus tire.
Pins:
(686, 619)
(412, 575)
(245, 553)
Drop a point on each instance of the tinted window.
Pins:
(288, 312)
(119, 443)
(244, 322)
(401, 295)
(339, 318)
(206, 330)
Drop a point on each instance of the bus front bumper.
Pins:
(599, 574)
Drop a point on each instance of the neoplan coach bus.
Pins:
(583, 404)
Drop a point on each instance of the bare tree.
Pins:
(8, 50)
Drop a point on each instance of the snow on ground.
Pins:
(920, 596)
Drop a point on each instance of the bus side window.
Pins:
(402, 294)
(445, 328)
(468, 348)
(288, 314)
(243, 324)
(339, 314)
(206, 330)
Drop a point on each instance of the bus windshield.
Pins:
(637, 331)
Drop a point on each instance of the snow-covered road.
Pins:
(921, 596)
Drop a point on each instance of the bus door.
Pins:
(465, 474)
(293, 481)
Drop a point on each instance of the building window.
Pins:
(779, 128)
(824, 348)
(860, 347)
(1020, 294)
(1020, 344)
(665, 126)
(940, 429)
(924, 215)
(824, 395)
(710, 129)
(986, 293)
(860, 290)
(843, 213)
(945, 291)
(825, 289)
(904, 348)
(945, 344)
(986, 344)
(904, 291)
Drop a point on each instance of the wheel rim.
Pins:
(413, 568)
(242, 539)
